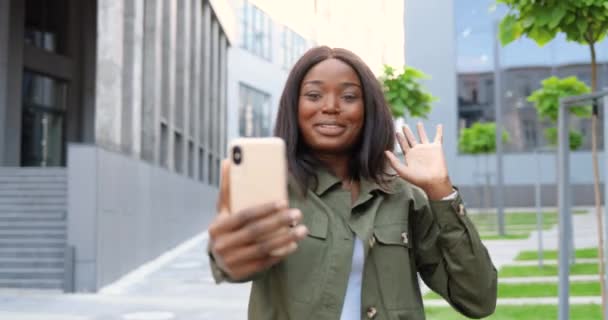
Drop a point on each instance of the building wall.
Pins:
(150, 181)
(377, 38)
(4, 65)
(124, 212)
(161, 84)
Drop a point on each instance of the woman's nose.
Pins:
(332, 104)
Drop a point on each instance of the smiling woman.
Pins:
(341, 110)
(369, 222)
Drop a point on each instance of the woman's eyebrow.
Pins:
(317, 82)
(350, 84)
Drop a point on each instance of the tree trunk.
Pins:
(596, 177)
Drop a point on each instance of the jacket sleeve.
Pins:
(220, 276)
(450, 256)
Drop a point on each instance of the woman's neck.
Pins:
(336, 164)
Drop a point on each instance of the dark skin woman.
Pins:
(360, 223)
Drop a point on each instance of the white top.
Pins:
(351, 309)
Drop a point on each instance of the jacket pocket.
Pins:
(395, 268)
(301, 273)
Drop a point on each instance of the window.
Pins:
(254, 112)
(164, 145)
(42, 134)
(292, 47)
(178, 153)
(46, 24)
(256, 31)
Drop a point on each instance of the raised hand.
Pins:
(425, 164)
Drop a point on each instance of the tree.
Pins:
(546, 102)
(582, 21)
(404, 93)
(480, 138)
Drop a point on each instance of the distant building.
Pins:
(272, 35)
(454, 43)
(113, 119)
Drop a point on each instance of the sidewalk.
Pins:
(183, 288)
(180, 290)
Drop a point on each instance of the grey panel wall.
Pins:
(124, 212)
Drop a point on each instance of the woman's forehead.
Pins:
(331, 70)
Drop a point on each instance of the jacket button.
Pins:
(461, 209)
(371, 312)
(372, 241)
(404, 237)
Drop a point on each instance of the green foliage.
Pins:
(576, 138)
(480, 138)
(405, 94)
(546, 99)
(582, 21)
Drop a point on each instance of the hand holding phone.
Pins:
(252, 230)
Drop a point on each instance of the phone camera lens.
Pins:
(237, 155)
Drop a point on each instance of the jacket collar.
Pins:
(326, 180)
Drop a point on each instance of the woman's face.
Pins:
(330, 108)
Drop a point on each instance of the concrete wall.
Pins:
(123, 212)
(434, 19)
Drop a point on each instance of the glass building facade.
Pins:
(523, 65)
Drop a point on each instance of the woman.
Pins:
(369, 223)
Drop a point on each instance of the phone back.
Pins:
(258, 172)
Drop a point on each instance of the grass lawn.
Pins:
(525, 290)
(528, 312)
(552, 254)
(518, 225)
(547, 270)
(511, 236)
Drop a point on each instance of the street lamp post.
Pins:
(499, 130)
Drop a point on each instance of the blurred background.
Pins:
(115, 115)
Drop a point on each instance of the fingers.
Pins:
(409, 135)
(410, 138)
(439, 134)
(257, 230)
(405, 146)
(422, 133)
(229, 222)
(278, 246)
(223, 203)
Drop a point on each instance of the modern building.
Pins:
(455, 44)
(274, 34)
(113, 119)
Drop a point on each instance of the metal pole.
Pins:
(539, 212)
(563, 146)
(605, 229)
(498, 105)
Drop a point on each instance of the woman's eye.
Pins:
(313, 96)
(349, 97)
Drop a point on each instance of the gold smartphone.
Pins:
(258, 172)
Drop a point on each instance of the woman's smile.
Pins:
(330, 129)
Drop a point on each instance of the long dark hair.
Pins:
(378, 134)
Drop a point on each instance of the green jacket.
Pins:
(404, 233)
